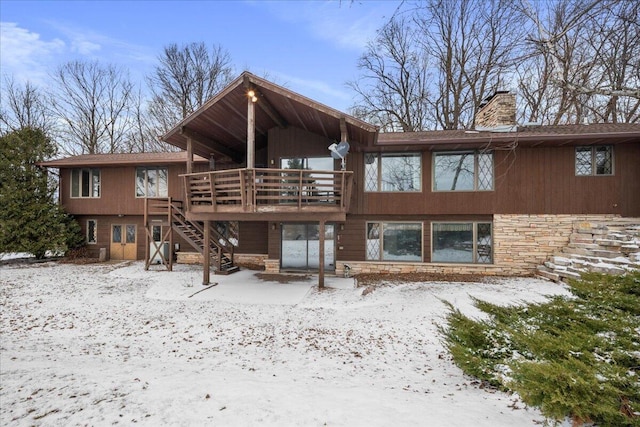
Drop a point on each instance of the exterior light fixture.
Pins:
(252, 96)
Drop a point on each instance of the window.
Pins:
(229, 230)
(597, 160)
(85, 183)
(394, 241)
(151, 182)
(156, 233)
(461, 242)
(392, 172)
(463, 171)
(92, 231)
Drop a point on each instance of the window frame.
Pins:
(474, 225)
(380, 238)
(146, 170)
(78, 173)
(476, 168)
(594, 165)
(379, 181)
(92, 240)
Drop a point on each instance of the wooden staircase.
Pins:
(221, 250)
(611, 247)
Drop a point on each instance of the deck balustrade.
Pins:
(268, 190)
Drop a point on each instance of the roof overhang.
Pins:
(219, 127)
(121, 159)
(570, 135)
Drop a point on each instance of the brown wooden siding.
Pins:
(293, 142)
(253, 235)
(253, 238)
(117, 191)
(527, 181)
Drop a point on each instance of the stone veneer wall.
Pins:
(522, 242)
(241, 260)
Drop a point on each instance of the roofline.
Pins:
(127, 159)
(247, 78)
(486, 137)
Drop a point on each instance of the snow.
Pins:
(110, 343)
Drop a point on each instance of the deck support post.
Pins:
(206, 253)
(321, 255)
(189, 155)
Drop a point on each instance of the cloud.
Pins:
(317, 90)
(346, 25)
(25, 55)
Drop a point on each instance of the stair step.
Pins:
(547, 274)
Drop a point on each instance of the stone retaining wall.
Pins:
(523, 242)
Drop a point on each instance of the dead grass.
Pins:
(368, 279)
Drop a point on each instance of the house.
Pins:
(257, 175)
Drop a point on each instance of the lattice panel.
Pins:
(484, 244)
(373, 241)
(583, 161)
(485, 171)
(604, 161)
(371, 172)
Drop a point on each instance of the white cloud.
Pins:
(25, 55)
(84, 47)
(347, 25)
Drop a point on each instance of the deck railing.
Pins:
(256, 190)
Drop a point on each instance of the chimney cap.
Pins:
(490, 97)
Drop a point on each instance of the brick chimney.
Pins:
(497, 110)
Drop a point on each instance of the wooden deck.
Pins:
(268, 194)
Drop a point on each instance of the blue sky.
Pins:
(311, 47)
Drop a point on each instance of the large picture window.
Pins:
(597, 160)
(85, 183)
(392, 172)
(151, 182)
(394, 241)
(463, 171)
(469, 242)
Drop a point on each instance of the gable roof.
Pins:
(121, 159)
(591, 134)
(219, 127)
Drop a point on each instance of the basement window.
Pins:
(394, 241)
(92, 231)
(461, 242)
(596, 160)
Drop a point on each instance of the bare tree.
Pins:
(185, 78)
(474, 44)
(24, 106)
(432, 64)
(93, 102)
(392, 92)
(591, 50)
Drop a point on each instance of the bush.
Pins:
(575, 357)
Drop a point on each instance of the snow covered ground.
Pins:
(108, 344)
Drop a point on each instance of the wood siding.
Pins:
(527, 181)
(118, 191)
